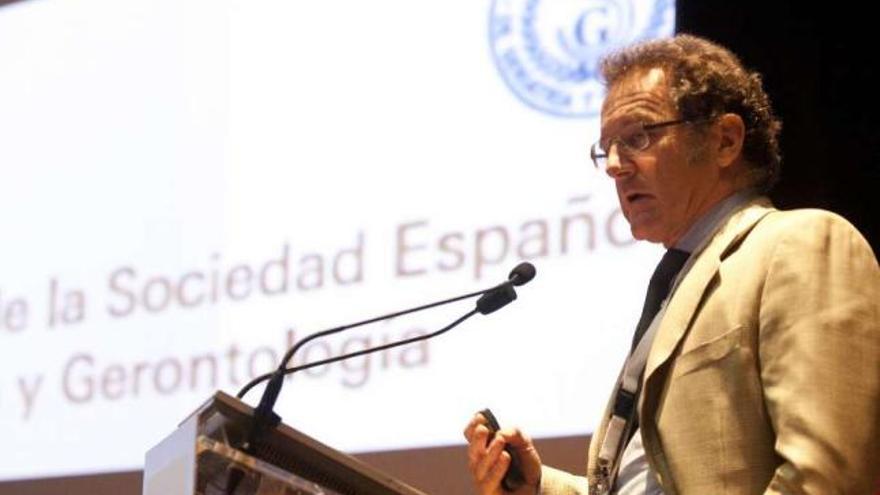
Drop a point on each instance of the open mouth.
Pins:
(636, 197)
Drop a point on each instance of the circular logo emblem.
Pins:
(547, 50)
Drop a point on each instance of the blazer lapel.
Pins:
(682, 307)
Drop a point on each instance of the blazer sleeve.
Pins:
(558, 482)
(819, 356)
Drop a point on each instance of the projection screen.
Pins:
(190, 187)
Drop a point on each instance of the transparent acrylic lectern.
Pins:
(200, 458)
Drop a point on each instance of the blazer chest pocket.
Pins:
(708, 353)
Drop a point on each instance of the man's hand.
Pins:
(488, 461)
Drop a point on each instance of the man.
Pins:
(761, 373)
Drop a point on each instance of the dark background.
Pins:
(820, 71)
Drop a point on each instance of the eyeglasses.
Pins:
(635, 139)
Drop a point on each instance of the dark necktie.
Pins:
(658, 289)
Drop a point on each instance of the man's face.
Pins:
(664, 188)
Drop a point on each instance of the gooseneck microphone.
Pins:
(522, 274)
(492, 300)
(503, 294)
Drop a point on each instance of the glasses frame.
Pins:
(595, 149)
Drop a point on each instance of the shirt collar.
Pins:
(707, 223)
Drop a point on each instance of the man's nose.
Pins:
(618, 164)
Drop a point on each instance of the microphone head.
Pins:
(522, 274)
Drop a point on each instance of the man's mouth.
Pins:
(636, 197)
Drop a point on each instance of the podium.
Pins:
(201, 457)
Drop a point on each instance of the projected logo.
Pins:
(547, 50)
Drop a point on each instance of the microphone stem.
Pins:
(292, 351)
(389, 345)
(445, 329)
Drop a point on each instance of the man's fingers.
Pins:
(495, 473)
(476, 421)
(477, 445)
(476, 435)
(530, 461)
(517, 439)
(514, 437)
(488, 460)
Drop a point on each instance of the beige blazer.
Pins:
(764, 375)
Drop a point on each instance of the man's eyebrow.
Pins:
(624, 122)
(641, 115)
(636, 116)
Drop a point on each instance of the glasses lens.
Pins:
(637, 140)
(597, 155)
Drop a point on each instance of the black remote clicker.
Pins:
(513, 478)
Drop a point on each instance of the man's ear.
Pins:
(731, 131)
